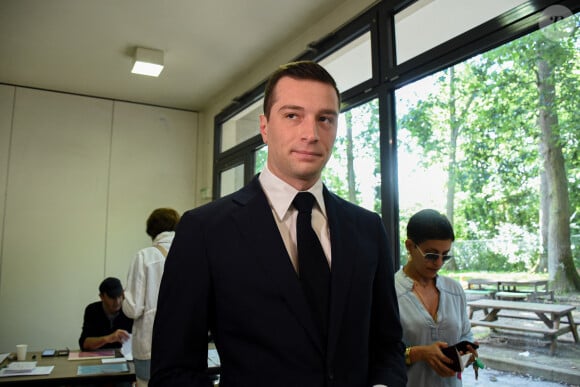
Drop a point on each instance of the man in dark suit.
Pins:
(233, 268)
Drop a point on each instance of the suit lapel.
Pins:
(341, 225)
(257, 226)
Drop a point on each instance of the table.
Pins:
(530, 289)
(550, 314)
(477, 288)
(510, 289)
(480, 283)
(65, 372)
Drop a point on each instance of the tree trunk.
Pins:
(542, 265)
(562, 272)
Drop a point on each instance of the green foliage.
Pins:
(480, 122)
(261, 156)
(365, 149)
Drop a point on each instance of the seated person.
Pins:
(105, 325)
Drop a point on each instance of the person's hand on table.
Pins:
(119, 336)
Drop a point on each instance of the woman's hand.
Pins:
(473, 351)
(432, 355)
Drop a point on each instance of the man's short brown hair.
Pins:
(302, 70)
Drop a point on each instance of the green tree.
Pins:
(357, 143)
(487, 121)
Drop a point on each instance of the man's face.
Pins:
(111, 304)
(301, 130)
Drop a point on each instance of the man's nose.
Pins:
(310, 128)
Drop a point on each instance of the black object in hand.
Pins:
(454, 353)
(462, 346)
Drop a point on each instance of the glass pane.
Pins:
(231, 180)
(355, 55)
(427, 23)
(353, 172)
(493, 143)
(241, 127)
(261, 157)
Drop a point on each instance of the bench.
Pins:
(535, 329)
(534, 290)
(549, 314)
(512, 295)
(479, 293)
(541, 295)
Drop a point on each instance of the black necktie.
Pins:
(313, 266)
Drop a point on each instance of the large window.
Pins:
(425, 24)
(467, 107)
(493, 143)
(451, 123)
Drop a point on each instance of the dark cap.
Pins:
(112, 287)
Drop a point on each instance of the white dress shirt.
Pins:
(280, 195)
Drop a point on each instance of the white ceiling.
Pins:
(85, 46)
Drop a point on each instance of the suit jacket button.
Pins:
(330, 375)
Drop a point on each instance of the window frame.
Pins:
(387, 77)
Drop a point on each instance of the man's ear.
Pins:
(264, 128)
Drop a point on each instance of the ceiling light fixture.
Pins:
(147, 62)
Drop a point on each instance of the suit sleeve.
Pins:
(179, 346)
(387, 349)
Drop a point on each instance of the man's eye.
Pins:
(432, 256)
(291, 115)
(328, 120)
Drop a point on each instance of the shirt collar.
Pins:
(408, 282)
(280, 194)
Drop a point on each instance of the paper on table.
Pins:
(85, 355)
(114, 360)
(44, 370)
(127, 348)
(102, 369)
(21, 366)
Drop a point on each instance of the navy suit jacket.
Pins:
(228, 271)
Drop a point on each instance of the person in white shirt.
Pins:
(143, 281)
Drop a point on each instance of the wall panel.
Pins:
(6, 105)
(80, 176)
(54, 230)
(152, 165)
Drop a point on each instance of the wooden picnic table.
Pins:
(524, 289)
(550, 314)
(480, 283)
(511, 289)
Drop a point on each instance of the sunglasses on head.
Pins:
(434, 256)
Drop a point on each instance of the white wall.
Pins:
(79, 176)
